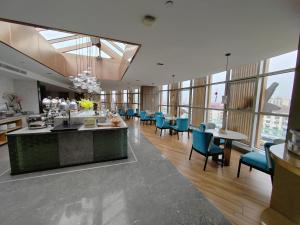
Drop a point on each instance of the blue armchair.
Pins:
(137, 113)
(121, 112)
(156, 114)
(203, 144)
(202, 127)
(161, 124)
(144, 117)
(130, 113)
(182, 125)
(259, 161)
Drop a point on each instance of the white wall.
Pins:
(6, 85)
(27, 90)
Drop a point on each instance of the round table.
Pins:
(228, 136)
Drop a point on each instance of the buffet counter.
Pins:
(42, 149)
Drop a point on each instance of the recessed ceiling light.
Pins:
(152, 83)
(137, 80)
(148, 20)
(160, 64)
(169, 3)
(49, 73)
(22, 62)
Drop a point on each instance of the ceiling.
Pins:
(190, 37)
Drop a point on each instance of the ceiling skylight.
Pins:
(108, 44)
(52, 34)
(120, 45)
(73, 42)
(90, 51)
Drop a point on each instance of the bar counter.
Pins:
(42, 149)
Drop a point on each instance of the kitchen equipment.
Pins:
(36, 122)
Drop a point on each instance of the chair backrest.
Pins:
(202, 141)
(158, 114)
(120, 111)
(143, 115)
(159, 121)
(210, 126)
(267, 146)
(182, 124)
(202, 127)
(130, 112)
(137, 111)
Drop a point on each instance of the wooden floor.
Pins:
(241, 200)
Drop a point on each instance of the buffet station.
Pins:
(67, 134)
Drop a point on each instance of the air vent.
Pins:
(12, 68)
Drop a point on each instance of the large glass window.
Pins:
(216, 92)
(184, 97)
(218, 77)
(272, 127)
(186, 83)
(164, 97)
(125, 97)
(216, 117)
(282, 62)
(277, 93)
(183, 112)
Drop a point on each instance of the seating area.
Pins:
(150, 112)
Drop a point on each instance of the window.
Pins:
(281, 62)
(73, 42)
(108, 44)
(165, 87)
(183, 112)
(53, 34)
(135, 98)
(186, 83)
(277, 93)
(125, 99)
(164, 97)
(164, 109)
(217, 91)
(218, 77)
(184, 97)
(90, 51)
(273, 128)
(216, 117)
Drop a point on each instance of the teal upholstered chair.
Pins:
(144, 117)
(182, 125)
(137, 113)
(161, 124)
(202, 127)
(203, 144)
(121, 112)
(259, 161)
(130, 113)
(155, 115)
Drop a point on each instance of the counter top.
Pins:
(26, 130)
(285, 158)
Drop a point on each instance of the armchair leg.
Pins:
(155, 130)
(177, 135)
(222, 159)
(205, 163)
(239, 168)
(250, 169)
(191, 153)
(160, 131)
(188, 135)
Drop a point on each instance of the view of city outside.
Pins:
(164, 97)
(184, 112)
(278, 102)
(125, 100)
(216, 117)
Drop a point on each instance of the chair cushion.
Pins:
(214, 149)
(176, 128)
(256, 159)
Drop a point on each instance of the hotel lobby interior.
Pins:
(143, 112)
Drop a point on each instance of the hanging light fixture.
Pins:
(85, 78)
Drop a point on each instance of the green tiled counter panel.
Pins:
(110, 145)
(33, 152)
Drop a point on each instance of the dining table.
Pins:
(229, 136)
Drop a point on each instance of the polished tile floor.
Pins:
(144, 189)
